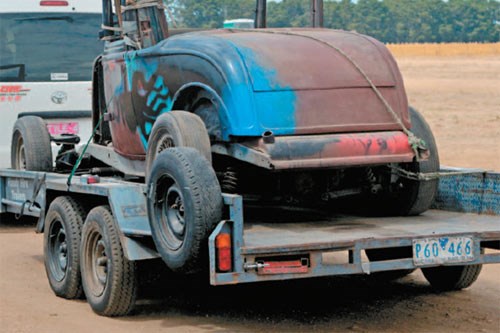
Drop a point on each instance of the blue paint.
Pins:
(274, 109)
(443, 242)
(148, 127)
(233, 73)
(144, 138)
(151, 98)
(158, 96)
(136, 62)
(475, 192)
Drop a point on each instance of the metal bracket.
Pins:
(31, 203)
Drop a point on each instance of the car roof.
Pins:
(51, 6)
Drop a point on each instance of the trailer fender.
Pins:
(187, 97)
(128, 205)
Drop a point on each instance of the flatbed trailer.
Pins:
(275, 243)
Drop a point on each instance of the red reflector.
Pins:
(284, 267)
(223, 246)
(54, 3)
(91, 180)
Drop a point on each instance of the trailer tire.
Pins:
(448, 278)
(62, 236)
(30, 147)
(184, 206)
(109, 279)
(177, 129)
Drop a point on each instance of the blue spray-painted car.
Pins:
(298, 117)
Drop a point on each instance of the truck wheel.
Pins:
(109, 279)
(62, 235)
(390, 254)
(177, 129)
(447, 278)
(30, 148)
(184, 205)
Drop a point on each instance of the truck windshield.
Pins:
(48, 46)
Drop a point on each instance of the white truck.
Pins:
(46, 54)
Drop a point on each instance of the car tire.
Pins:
(177, 129)
(184, 206)
(421, 193)
(410, 197)
(30, 148)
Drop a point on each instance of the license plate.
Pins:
(56, 129)
(429, 251)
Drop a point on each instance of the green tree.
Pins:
(396, 21)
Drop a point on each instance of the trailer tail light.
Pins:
(224, 258)
(54, 3)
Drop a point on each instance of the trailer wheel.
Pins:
(62, 236)
(30, 148)
(448, 278)
(109, 279)
(184, 205)
(390, 254)
(177, 129)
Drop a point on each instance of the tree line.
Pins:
(391, 21)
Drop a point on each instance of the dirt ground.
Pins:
(459, 96)
(354, 304)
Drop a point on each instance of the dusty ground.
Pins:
(460, 97)
(347, 304)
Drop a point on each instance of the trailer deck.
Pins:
(341, 232)
(278, 243)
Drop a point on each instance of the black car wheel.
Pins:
(177, 129)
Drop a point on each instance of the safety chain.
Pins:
(428, 176)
